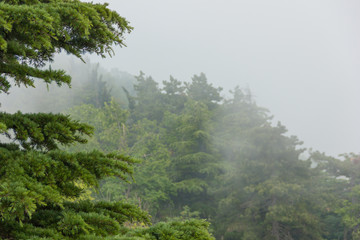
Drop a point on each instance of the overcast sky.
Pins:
(301, 59)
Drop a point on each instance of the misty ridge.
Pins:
(203, 155)
(120, 156)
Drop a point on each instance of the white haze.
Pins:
(301, 59)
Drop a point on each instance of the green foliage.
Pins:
(345, 184)
(200, 90)
(148, 98)
(33, 180)
(109, 122)
(174, 96)
(42, 186)
(2, 127)
(226, 161)
(194, 163)
(152, 186)
(43, 131)
(173, 230)
(31, 32)
(94, 91)
(91, 84)
(267, 187)
(79, 220)
(223, 158)
(191, 143)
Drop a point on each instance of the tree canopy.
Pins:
(197, 157)
(32, 31)
(43, 189)
(225, 160)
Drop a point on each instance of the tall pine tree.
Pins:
(40, 185)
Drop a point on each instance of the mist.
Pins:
(300, 59)
(216, 119)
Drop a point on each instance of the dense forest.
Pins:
(200, 155)
(130, 158)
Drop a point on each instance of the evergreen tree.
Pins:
(194, 163)
(110, 132)
(344, 202)
(174, 95)
(31, 32)
(148, 102)
(267, 187)
(95, 91)
(40, 185)
(200, 90)
(152, 188)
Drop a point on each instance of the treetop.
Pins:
(33, 31)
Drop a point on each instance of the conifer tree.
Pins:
(200, 90)
(32, 31)
(40, 184)
(268, 189)
(194, 163)
(148, 99)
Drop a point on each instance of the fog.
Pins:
(299, 58)
(189, 121)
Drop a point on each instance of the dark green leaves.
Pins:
(44, 131)
(31, 32)
(32, 179)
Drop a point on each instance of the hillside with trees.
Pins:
(43, 189)
(128, 157)
(204, 156)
